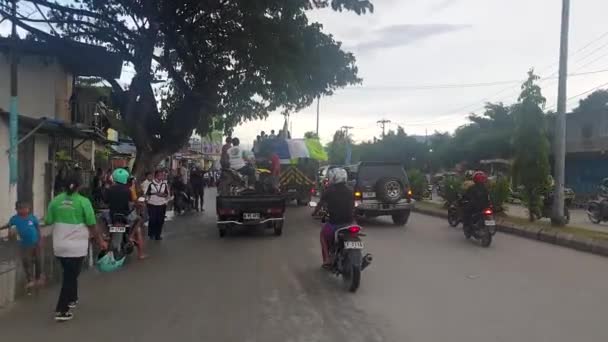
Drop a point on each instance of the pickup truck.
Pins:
(250, 209)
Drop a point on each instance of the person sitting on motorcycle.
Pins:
(476, 198)
(468, 180)
(119, 196)
(340, 203)
(137, 217)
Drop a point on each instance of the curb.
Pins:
(595, 246)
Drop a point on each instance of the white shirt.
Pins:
(236, 158)
(157, 188)
(144, 186)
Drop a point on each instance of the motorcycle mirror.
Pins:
(312, 204)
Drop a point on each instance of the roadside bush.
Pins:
(418, 184)
(451, 189)
(499, 193)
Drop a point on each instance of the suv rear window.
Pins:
(369, 175)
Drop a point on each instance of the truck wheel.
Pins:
(400, 218)
(221, 228)
(278, 228)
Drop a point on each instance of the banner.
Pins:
(212, 143)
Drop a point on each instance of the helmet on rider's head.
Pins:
(337, 175)
(107, 263)
(468, 174)
(480, 177)
(120, 176)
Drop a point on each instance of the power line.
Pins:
(581, 94)
(463, 85)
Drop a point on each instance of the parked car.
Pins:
(381, 189)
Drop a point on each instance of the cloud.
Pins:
(400, 35)
(441, 5)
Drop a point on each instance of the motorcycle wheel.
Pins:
(453, 218)
(467, 232)
(351, 272)
(593, 212)
(486, 237)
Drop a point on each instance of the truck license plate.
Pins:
(115, 229)
(251, 216)
(369, 194)
(353, 244)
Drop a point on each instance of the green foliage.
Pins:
(531, 164)
(594, 103)
(200, 64)
(336, 149)
(451, 189)
(418, 183)
(500, 191)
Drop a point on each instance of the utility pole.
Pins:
(13, 108)
(560, 122)
(345, 129)
(383, 123)
(318, 110)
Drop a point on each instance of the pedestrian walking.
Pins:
(158, 197)
(74, 221)
(26, 227)
(197, 184)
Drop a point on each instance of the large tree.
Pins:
(531, 164)
(594, 103)
(219, 62)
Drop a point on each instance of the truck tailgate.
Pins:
(252, 203)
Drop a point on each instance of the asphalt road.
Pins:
(427, 283)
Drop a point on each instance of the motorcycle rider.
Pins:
(119, 195)
(476, 198)
(340, 203)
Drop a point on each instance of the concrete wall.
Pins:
(44, 86)
(44, 91)
(9, 194)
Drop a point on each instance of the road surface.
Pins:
(426, 284)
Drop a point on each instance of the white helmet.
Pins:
(337, 176)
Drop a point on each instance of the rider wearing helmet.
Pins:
(476, 197)
(468, 180)
(118, 196)
(340, 202)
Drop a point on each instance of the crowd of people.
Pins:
(74, 219)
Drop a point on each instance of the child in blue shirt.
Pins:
(26, 226)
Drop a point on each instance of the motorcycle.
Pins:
(346, 254)
(483, 227)
(547, 208)
(120, 243)
(597, 210)
(183, 202)
(455, 213)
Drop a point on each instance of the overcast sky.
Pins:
(408, 43)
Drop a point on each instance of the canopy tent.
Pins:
(293, 149)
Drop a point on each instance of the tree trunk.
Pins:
(147, 162)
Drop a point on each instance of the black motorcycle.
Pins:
(455, 213)
(597, 210)
(547, 209)
(483, 227)
(346, 254)
(119, 231)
